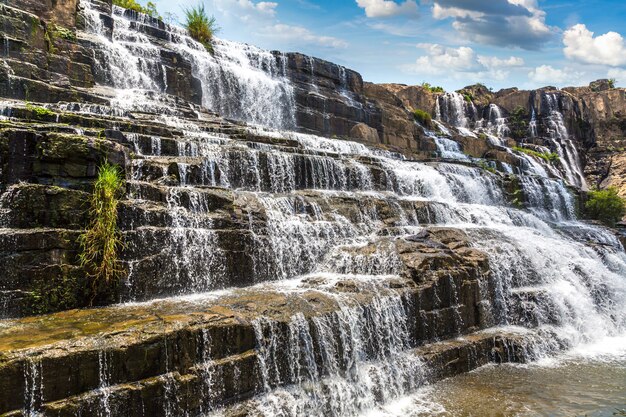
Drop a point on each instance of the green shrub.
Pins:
(518, 124)
(201, 27)
(612, 83)
(432, 88)
(606, 206)
(468, 97)
(101, 242)
(150, 8)
(547, 156)
(424, 118)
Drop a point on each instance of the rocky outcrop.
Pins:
(153, 358)
(324, 260)
(330, 100)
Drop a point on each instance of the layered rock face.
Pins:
(269, 268)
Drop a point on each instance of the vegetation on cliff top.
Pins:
(150, 8)
(102, 240)
(432, 88)
(201, 27)
(606, 206)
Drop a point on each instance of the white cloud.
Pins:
(388, 8)
(582, 46)
(546, 74)
(497, 22)
(461, 62)
(495, 62)
(303, 35)
(439, 58)
(408, 29)
(247, 10)
(441, 13)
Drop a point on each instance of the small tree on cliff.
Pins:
(518, 124)
(606, 206)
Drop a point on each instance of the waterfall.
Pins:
(257, 78)
(364, 361)
(331, 315)
(568, 154)
(451, 108)
(496, 124)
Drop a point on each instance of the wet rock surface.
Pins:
(272, 268)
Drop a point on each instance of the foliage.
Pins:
(201, 27)
(606, 206)
(518, 124)
(38, 111)
(468, 97)
(432, 88)
(424, 118)
(612, 83)
(547, 156)
(150, 8)
(101, 241)
(62, 32)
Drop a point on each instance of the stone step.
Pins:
(127, 346)
(196, 392)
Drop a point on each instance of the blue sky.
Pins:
(452, 43)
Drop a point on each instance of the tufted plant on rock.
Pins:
(102, 240)
(201, 27)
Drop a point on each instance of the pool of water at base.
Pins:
(568, 386)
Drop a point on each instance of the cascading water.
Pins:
(452, 108)
(568, 154)
(257, 78)
(311, 204)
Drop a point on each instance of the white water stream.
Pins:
(572, 274)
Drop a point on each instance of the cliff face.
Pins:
(258, 256)
(46, 62)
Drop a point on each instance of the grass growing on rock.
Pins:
(424, 118)
(547, 156)
(39, 112)
(102, 241)
(606, 206)
(200, 26)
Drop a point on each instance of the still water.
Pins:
(587, 382)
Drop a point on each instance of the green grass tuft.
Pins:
(102, 240)
(200, 26)
(424, 118)
(38, 111)
(547, 156)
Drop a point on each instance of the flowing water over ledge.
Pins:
(353, 336)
